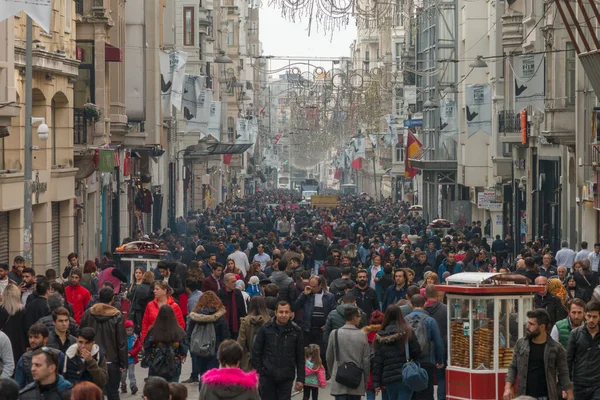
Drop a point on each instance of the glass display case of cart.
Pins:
(486, 315)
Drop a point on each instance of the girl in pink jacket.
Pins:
(314, 372)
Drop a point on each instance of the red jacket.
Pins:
(78, 297)
(135, 349)
(152, 311)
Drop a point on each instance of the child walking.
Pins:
(133, 348)
(314, 372)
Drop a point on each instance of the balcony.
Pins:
(509, 127)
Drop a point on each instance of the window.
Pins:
(254, 30)
(400, 152)
(230, 129)
(570, 64)
(230, 32)
(68, 15)
(188, 26)
(366, 62)
(398, 55)
(254, 54)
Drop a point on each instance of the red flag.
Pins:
(337, 174)
(413, 150)
(262, 111)
(357, 163)
(227, 158)
(278, 136)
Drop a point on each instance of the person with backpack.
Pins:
(207, 328)
(165, 346)
(430, 340)
(249, 326)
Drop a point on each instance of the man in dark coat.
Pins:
(37, 304)
(234, 302)
(278, 355)
(549, 302)
(109, 325)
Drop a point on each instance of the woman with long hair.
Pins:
(89, 279)
(390, 357)
(168, 340)
(162, 297)
(139, 294)
(86, 390)
(208, 310)
(255, 270)
(249, 326)
(12, 320)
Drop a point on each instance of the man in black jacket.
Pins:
(233, 300)
(278, 355)
(37, 305)
(583, 357)
(549, 302)
(172, 279)
(366, 297)
(439, 312)
(109, 325)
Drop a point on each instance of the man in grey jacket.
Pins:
(336, 318)
(355, 349)
(538, 362)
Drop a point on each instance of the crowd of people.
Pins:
(260, 295)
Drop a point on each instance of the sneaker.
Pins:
(123, 389)
(134, 390)
(190, 380)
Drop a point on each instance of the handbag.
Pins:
(413, 376)
(348, 373)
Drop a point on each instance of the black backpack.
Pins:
(162, 361)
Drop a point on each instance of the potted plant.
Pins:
(91, 112)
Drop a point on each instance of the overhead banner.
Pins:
(479, 109)
(172, 76)
(194, 104)
(529, 81)
(39, 10)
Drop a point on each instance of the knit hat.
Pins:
(254, 280)
(129, 324)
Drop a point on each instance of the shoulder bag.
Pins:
(413, 376)
(348, 373)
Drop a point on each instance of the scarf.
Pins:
(233, 312)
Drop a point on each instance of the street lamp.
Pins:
(478, 63)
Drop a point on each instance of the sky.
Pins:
(280, 37)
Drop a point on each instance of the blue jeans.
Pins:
(396, 391)
(370, 395)
(318, 263)
(441, 390)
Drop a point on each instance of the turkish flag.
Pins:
(227, 158)
(337, 174)
(357, 163)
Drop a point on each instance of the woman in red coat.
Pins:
(162, 296)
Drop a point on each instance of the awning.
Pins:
(209, 149)
(112, 53)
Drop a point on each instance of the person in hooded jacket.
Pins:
(439, 312)
(208, 310)
(371, 330)
(249, 326)
(85, 361)
(336, 319)
(109, 325)
(390, 354)
(229, 382)
(339, 286)
(287, 291)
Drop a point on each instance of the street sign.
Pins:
(411, 123)
(487, 200)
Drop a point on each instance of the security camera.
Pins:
(43, 131)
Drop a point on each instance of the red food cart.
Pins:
(487, 313)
